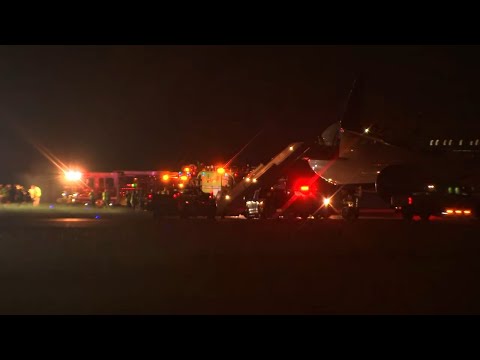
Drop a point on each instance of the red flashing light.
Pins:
(410, 200)
(150, 196)
(305, 185)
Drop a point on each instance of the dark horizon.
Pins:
(152, 107)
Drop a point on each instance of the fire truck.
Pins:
(196, 193)
(87, 188)
(214, 179)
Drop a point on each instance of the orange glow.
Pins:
(304, 188)
(221, 170)
(165, 177)
(467, 212)
(183, 177)
(187, 169)
(180, 186)
(73, 175)
(458, 211)
(449, 211)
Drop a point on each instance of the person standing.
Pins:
(92, 197)
(35, 193)
(106, 197)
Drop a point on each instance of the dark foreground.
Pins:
(69, 262)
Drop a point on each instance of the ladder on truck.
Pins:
(262, 175)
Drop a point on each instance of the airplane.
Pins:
(348, 158)
(361, 159)
(358, 159)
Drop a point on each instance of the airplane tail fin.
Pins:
(332, 135)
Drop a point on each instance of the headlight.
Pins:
(326, 201)
(227, 197)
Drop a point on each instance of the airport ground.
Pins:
(113, 261)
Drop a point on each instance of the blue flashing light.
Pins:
(97, 217)
(51, 206)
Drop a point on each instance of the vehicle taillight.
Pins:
(304, 188)
(410, 200)
(150, 196)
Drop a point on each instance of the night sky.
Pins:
(156, 107)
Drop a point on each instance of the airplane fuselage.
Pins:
(360, 159)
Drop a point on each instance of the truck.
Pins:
(437, 201)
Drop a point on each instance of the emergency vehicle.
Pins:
(196, 193)
(87, 187)
(214, 179)
(291, 198)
